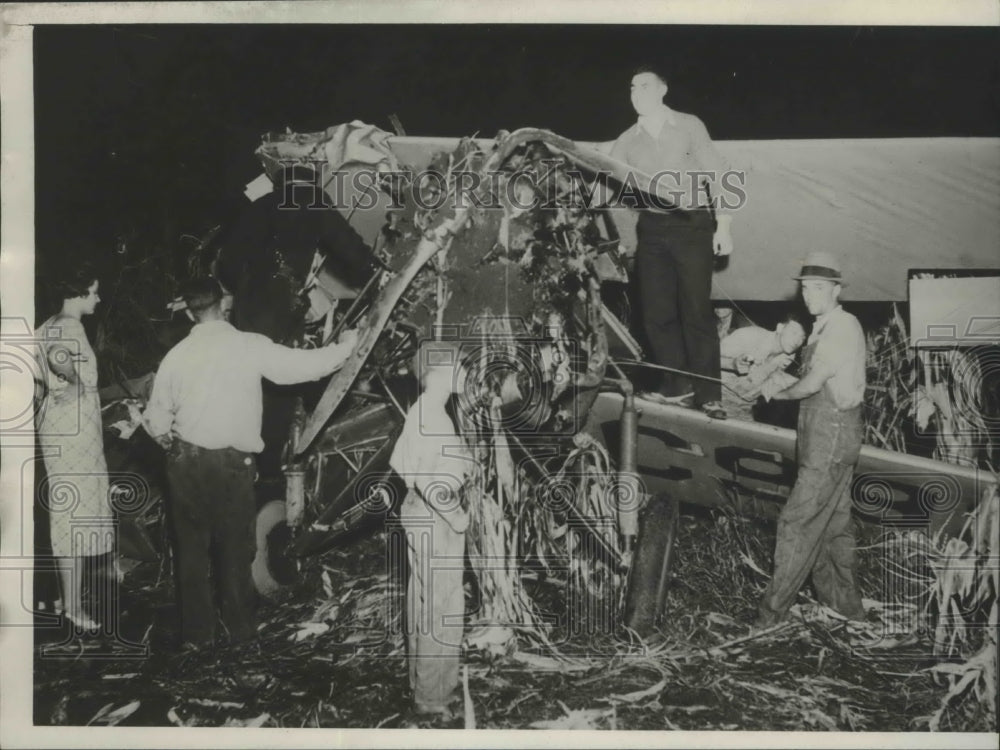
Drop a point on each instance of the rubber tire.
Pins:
(269, 516)
(650, 574)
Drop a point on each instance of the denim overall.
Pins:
(815, 529)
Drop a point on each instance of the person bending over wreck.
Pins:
(434, 463)
(753, 355)
(205, 410)
(815, 532)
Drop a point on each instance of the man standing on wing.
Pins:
(205, 409)
(815, 531)
(676, 248)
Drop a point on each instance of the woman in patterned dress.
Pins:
(70, 435)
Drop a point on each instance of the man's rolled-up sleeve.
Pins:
(709, 159)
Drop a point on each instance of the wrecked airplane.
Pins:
(345, 228)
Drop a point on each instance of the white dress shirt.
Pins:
(208, 388)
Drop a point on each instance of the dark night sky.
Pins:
(150, 130)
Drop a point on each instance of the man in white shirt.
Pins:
(815, 530)
(677, 247)
(205, 409)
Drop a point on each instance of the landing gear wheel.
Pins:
(272, 568)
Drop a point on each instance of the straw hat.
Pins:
(822, 266)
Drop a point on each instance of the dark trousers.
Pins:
(815, 530)
(674, 264)
(213, 515)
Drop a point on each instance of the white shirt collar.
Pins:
(209, 325)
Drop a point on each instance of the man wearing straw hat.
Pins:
(815, 533)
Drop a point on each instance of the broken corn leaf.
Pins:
(308, 630)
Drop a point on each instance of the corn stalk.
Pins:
(891, 382)
(931, 390)
(594, 581)
(496, 497)
(952, 394)
(964, 595)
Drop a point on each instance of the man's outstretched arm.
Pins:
(284, 365)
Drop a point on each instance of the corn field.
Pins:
(941, 393)
(963, 593)
(938, 394)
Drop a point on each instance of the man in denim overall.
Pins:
(815, 532)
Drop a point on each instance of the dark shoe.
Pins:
(656, 398)
(714, 409)
(686, 400)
